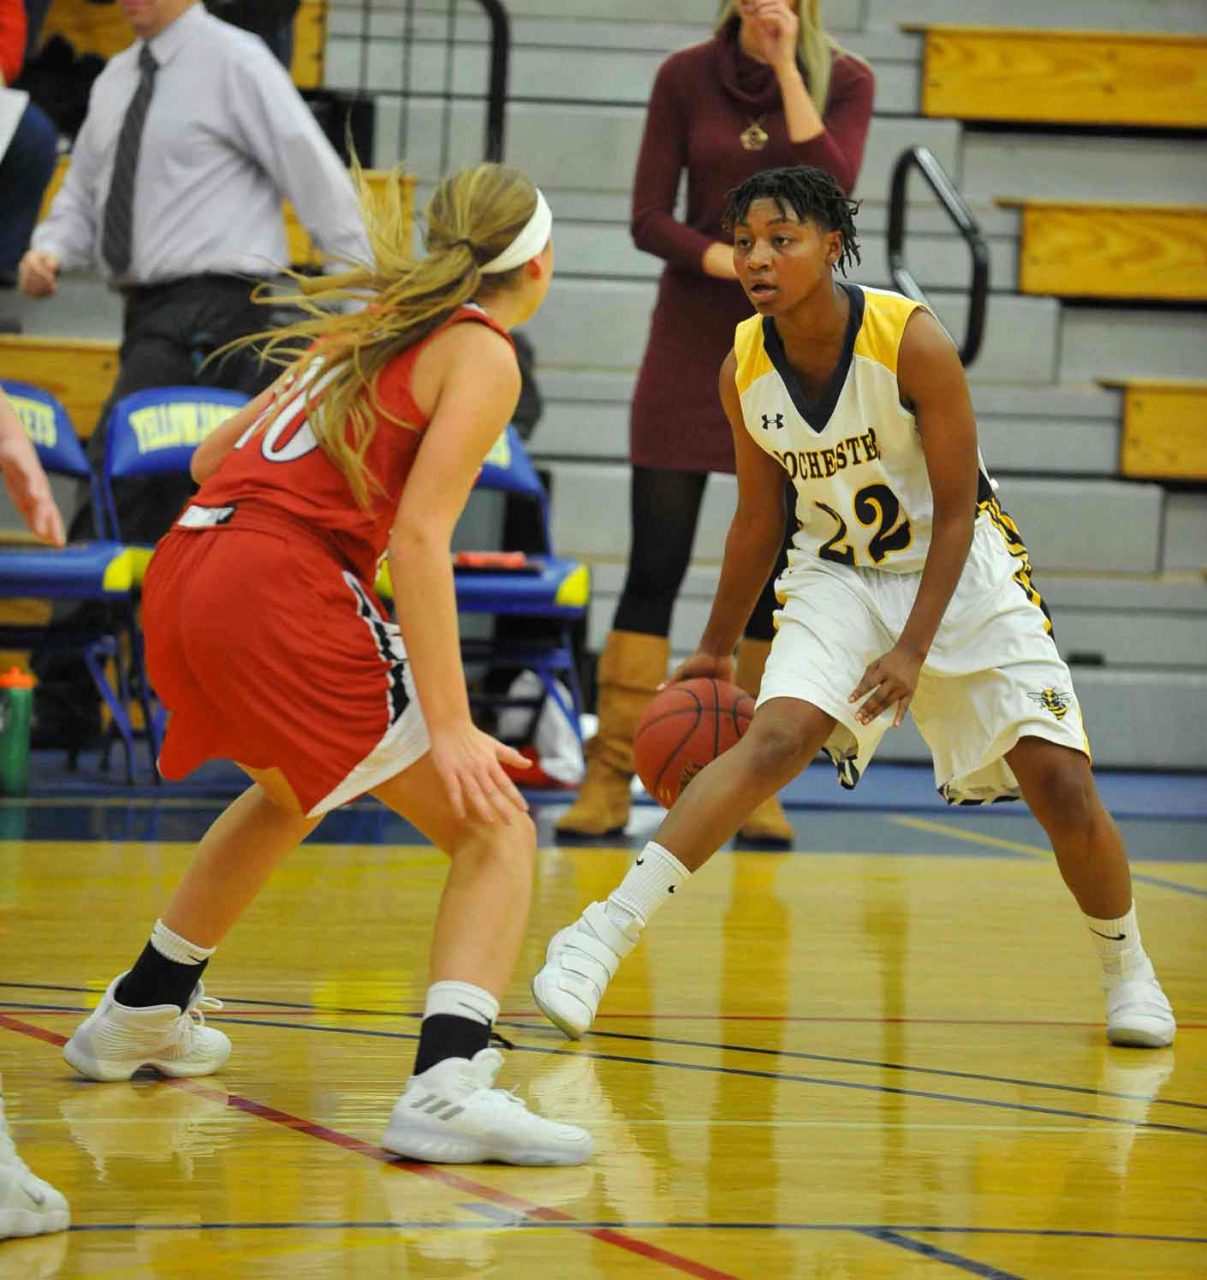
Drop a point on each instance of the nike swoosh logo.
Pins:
(1111, 937)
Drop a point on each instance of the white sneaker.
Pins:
(452, 1114)
(28, 1205)
(1138, 1013)
(579, 963)
(116, 1040)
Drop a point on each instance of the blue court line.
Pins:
(753, 1074)
(579, 1224)
(883, 1066)
(858, 1086)
(719, 1046)
(1145, 878)
(932, 1251)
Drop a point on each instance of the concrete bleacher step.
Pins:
(1084, 77)
(1105, 621)
(1109, 342)
(1065, 430)
(1110, 250)
(604, 324)
(591, 69)
(937, 259)
(1115, 15)
(1065, 166)
(1095, 526)
(585, 148)
(840, 14)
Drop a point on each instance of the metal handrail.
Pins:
(500, 52)
(923, 159)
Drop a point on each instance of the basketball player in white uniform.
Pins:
(909, 588)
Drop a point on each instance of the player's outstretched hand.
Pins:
(701, 665)
(471, 764)
(890, 679)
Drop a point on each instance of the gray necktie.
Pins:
(119, 205)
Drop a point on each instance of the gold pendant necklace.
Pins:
(754, 137)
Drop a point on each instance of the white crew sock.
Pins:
(647, 884)
(173, 947)
(1117, 942)
(461, 1000)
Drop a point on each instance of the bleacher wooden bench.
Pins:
(1126, 79)
(1095, 249)
(1164, 433)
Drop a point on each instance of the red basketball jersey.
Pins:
(278, 467)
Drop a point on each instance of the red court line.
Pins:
(434, 1173)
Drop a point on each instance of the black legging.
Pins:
(665, 509)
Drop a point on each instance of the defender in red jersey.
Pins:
(269, 647)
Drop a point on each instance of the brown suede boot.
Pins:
(631, 668)
(767, 825)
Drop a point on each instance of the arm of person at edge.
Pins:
(26, 481)
(751, 546)
(478, 384)
(208, 455)
(931, 381)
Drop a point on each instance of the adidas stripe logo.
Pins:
(441, 1108)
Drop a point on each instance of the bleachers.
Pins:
(1096, 249)
(1095, 78)
(1121, 556)
(1164, 431)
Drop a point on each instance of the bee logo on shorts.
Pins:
(1054, 700)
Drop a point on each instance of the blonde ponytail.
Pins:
(394, 302)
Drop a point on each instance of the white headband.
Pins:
(528, 244)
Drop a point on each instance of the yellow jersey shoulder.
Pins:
(750, 354)
(885, 315)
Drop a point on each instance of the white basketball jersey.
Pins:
(855, 457)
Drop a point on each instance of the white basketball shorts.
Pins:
(993, 674)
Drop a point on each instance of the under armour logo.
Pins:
(670, 888)
(770, 420)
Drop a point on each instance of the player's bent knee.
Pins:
(512, 843)
(1060, 791)
(777, 747)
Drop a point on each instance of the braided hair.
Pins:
(811, 193)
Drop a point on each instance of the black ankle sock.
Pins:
(444, 1035)
(157, 980)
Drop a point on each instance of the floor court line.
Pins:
(787, 1019)
(1018, 846)
(578, 1224)
(936, 1254)
(248, 1017)
(434, 1173)
(1031, 1108)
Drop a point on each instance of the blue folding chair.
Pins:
(100, 571)
(155, 433)
(549, 586)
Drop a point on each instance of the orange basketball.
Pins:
(684, 728)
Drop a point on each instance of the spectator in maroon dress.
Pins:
(770, 89)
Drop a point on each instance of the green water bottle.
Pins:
(16, 706)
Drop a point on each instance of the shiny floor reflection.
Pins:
(878, 1056)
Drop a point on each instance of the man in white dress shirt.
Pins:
(194, 136)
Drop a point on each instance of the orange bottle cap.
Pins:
(15, 678)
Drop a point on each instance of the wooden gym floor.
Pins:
(880, 1055)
